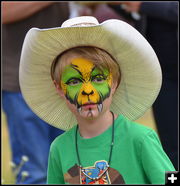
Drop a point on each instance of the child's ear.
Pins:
(58, 89)
(113, 87)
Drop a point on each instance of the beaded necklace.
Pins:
(110, 154)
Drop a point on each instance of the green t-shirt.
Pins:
(137, 156)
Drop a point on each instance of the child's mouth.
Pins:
(90, 106)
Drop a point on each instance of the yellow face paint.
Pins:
(83, 83)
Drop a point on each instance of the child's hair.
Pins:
(99, 57)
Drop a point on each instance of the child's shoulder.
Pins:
(135, 130)
(64, 139)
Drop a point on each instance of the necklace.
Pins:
(110, 154)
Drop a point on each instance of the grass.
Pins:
(6, 173)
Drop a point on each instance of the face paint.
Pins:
(84, 84)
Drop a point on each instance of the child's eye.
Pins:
(98, 78)
(73, 81)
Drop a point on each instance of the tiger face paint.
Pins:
(86, 86)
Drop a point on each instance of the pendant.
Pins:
(97, 174)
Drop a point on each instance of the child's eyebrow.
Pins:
(93, 69)
(74, 65)
(100, 72)
(75, 68)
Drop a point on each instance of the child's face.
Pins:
(86, 87)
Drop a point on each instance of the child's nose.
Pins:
(87, 93)
(87, 89)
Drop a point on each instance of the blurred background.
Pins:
(156, 21)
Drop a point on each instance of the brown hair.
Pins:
(99, 57)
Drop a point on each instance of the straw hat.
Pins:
(140, 70)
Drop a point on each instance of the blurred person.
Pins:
(30, 137)
(158, 22)
(100, 10)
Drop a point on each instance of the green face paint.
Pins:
(83, 83)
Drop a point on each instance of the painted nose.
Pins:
(87, 93)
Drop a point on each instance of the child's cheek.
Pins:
(73, 91)
(103, 89)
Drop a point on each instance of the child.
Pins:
(105, 75)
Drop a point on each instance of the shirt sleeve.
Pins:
(54, 172)
(154, 160)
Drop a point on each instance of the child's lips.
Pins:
(89, 105)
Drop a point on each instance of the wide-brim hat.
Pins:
(141, 76)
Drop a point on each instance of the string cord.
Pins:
(111, 148)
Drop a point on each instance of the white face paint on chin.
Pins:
(89, 111)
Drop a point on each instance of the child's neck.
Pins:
(89, 128)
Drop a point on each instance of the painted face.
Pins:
(85, 85)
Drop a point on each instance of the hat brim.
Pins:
(141, 76)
